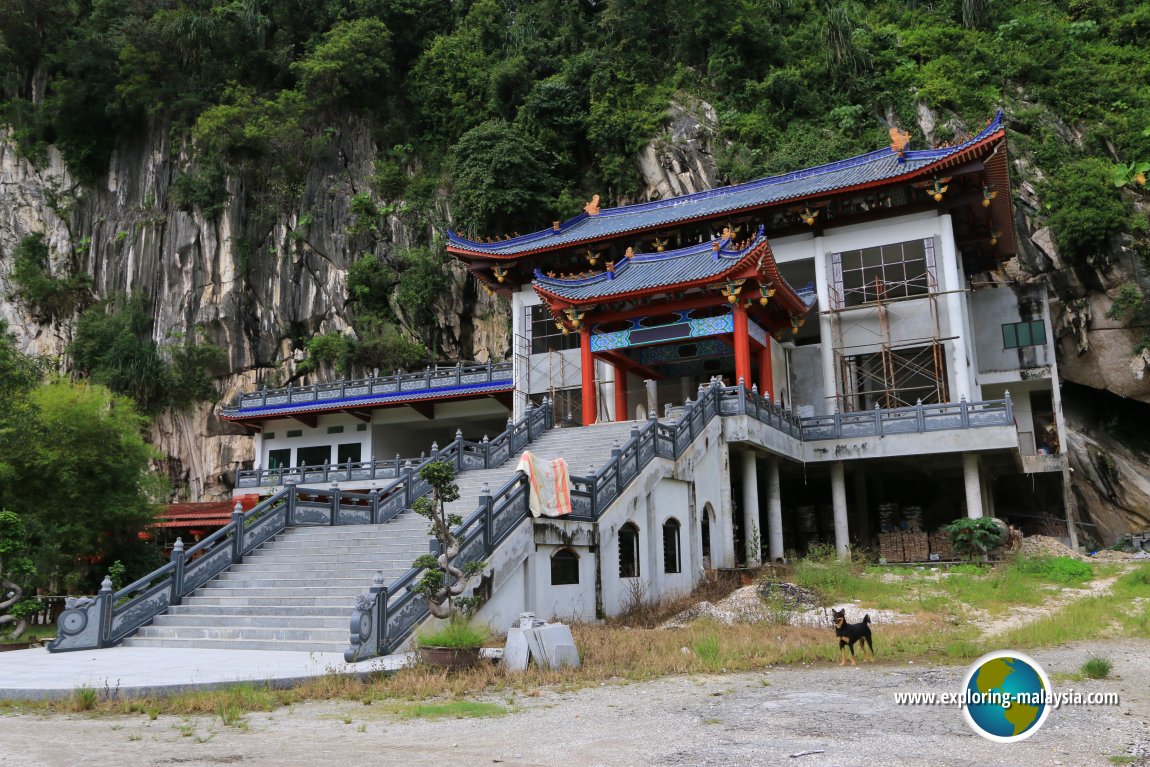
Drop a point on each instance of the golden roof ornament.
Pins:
(499, 272)
(988, 194)
(630, 253)
(660, 244)
(592, 208)
(592, 257)
(899, 141)
(808, 216)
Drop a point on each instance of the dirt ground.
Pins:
(829, 715)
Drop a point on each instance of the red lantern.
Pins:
(144, 535)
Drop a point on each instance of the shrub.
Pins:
(975, 537)
(1085, 209)
(50, 297)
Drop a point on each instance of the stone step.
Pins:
(366, 568)
(332, 635)
(294, 584)
(256, 602)
(340, 611)
(270, 591)
(334, 622)
(241, 644)
(319, 550)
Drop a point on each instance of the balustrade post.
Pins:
(427, 377)
(373, 500)
(490, 372)
(458, 450)
(290, 396)
(486, 443)
(178, 559)
(434, 451)
(742, 398)
(458, 373)
(488, 522)
(593, 488)
(838, 424)
(964, 412)
(920, 415)
(755, 400)
(334, 504)
(406, 475)
(238, 534)
(106, 601)
(877, 420)
(291, 498)
(1009, 408)
(342, 389)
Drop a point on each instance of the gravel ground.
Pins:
(847, 715)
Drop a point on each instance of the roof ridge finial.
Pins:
(592, 208)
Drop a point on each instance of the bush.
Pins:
(1085, 209)
(49, 297)
(975, 537)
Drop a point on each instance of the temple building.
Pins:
(830, 357)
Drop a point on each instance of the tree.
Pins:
(502, 178)
(350, 67)
(15, 567)
(82, 486)
(443, 580)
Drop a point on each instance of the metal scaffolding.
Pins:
(909, 364)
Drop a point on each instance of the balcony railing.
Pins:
(325, 473)
(909, 420)
(363, 388)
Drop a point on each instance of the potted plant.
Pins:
(444, 579)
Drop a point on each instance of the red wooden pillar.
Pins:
(742, 347)
(766, 372)
(621, 394)
(587, 363)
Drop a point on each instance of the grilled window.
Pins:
(1015, 335)
(672, 563)
(546, 336)
(901, 270)
(629, 551)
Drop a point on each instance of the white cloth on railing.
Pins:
(550, 485)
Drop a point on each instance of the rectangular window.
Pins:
(335, 430)
(348, 452)
(280, 458)
(564, 568)
(901, 270)
(313, 456)
(361, 427)
(546, 336)
(295, 433)
(671, 560)
(1015, 335)
(629, 551)
(269, 435)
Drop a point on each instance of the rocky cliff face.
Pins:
(249, 282)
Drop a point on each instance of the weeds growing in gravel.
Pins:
(1096, 668)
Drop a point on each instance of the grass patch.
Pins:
(1096, 668)
(84, 699)
(456, 633)
(709, 651)
(455, 709)
(1123, 759)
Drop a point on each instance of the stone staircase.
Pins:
(297, 591)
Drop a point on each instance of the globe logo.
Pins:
(1006, 696)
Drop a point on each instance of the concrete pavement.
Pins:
(135, 671)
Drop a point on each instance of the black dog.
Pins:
(849, 633)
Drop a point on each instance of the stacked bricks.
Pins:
(941, 545)
(890, 547)
(915, 547)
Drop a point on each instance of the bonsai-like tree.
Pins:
(976, 537)
(14, 566)
(444, 580)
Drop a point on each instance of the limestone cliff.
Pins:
(253, 283)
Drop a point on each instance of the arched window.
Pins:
(629, 551)
(564, 568)
(672, 560)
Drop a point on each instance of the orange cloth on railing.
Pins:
(550, 494)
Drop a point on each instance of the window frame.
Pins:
(570, 558)
(675, 550)
(632, 532)
(545, 336)
(888, 262)
(1034, 331)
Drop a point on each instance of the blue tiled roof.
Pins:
(874, 166)
(396, 398)
(651, 270)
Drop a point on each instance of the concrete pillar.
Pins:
(973, 485)
(826, 329)
(947, 264)
(774, 512)
(1071, 505)
(654, 572)
(752, 530)
(862, 513)
(839, 502)
(652, 396)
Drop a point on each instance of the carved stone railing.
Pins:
(910, 420)
(399, 383)
(113, 615)
(325, 473)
